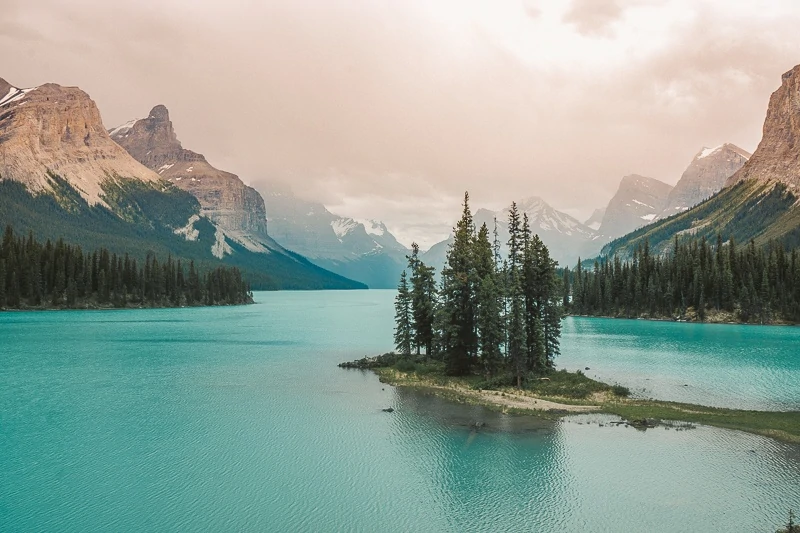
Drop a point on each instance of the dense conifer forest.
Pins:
(695, 280)
(499, 318)
(60, 275)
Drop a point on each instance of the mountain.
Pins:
(363, 250)
(233, 206)
(565, 237)
(596, 220)
(759, 202)
(777, 157)
(61, 175)
(638, 201)
(57, 130)
(704, 177)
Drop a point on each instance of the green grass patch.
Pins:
(781, 425)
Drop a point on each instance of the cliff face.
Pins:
(238, 209)
(638, 201)
(704, 177)
(759, 202)
(777, 157)
(59, 129)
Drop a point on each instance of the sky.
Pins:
(391, 109)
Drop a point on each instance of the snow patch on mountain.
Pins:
(642, 203)
(124, 129)
(343, 226)
(705, 152)
(14, 95)
(188, 231)
(220, 246)
(372, 227)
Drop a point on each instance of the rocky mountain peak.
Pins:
(55, 129)
(594, 221)
(777, 157)
(638, 201)
(705, 176)
(160, 114)
(236, 208)
(152, 141)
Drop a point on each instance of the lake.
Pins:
(237, 419)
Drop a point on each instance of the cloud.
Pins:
(391, 110)
(594, 17)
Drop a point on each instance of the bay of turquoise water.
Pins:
(237, 419)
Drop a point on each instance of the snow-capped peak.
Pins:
(343, 226)
(705, 152)
(373, 227)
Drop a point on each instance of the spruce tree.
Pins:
(402, 317)
(423, 301)
(458, 297)
(489, 315)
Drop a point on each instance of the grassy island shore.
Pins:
(561, 393)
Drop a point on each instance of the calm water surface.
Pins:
(725, 365)
(237, 419)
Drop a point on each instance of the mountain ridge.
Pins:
(759, 202)
(61, 175)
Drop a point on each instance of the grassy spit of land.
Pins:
(561, 393)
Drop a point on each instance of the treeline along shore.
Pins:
(57, 275)
(695, 281)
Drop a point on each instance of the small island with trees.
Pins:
(489, 333)
(62, 276)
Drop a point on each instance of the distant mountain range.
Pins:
(758, 202)
(61, 175)
(135, 189)
(565, 236)
(638, 202)
(363, 250)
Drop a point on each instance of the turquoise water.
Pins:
(237, 419)
(725, 365)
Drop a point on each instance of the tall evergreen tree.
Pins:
(402, 317)
(423, 301)
(458, 297)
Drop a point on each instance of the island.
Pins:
(489, 333)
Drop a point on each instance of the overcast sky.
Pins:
(390, 109)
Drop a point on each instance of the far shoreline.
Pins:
(682, 321)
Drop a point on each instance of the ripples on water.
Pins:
(237, 419)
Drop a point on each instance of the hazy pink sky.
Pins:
(391, 109)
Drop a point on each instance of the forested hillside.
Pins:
(141, 220)
(61, 275)
(696, 280)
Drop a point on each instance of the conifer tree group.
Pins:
(748, 283)
(59, 275)
(486, 315)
